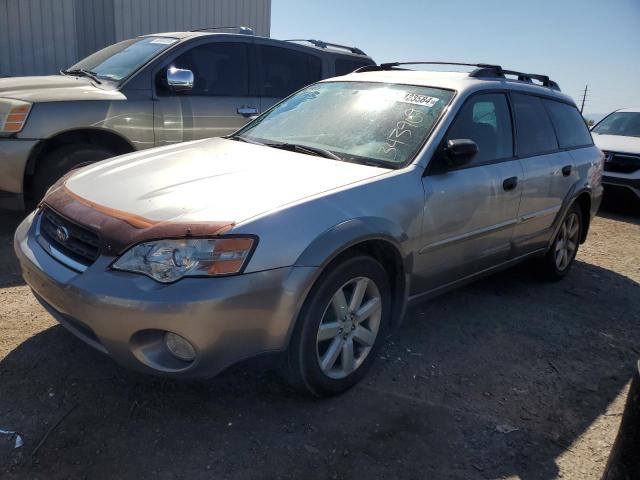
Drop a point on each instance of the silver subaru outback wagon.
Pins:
(310, 230)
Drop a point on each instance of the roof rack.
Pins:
(323, 44)
(483, 70)
(240, 28)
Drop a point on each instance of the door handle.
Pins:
(510, 183)
(566, 170)
(246, 111)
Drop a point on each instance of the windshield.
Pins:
(122, 59)
(357, 121)
(626, 124)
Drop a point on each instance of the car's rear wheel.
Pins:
(62, 160)
(340, 327)
(564, 248)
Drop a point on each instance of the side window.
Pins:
(284, 70)
(535, 134)
(219, 69)
(569, 125)
(485, 119)
(345, 66)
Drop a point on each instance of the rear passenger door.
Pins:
(470, 212)
(282, 71)
(220, 101)
(548, 173)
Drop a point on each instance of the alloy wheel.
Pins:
(567, 242)
(349, 327)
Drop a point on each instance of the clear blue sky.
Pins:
(575, 42)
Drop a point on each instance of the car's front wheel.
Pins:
(341, 326)
(62, 160)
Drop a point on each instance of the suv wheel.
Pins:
(341, 327)
(564, 248)
(62, 160)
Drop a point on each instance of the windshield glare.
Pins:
(122, 59)
(626, 124)
(358, 121)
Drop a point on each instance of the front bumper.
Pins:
(629, 182)
(125, 315)
(14, 154)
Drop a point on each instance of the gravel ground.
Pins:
(506, 378)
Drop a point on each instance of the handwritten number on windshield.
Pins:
(402, 132)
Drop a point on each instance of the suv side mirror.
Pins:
(179, 80)
(460, 152)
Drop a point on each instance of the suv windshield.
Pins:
(122, 59)
(626, 124)
(360, 122)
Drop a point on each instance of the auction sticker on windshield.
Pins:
(417, 99)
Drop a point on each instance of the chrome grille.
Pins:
(72, 240)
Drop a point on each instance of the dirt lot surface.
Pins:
(506, 378)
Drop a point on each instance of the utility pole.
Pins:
(584, 97)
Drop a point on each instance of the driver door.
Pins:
(470, 211)
(219, 102)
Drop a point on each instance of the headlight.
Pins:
(13, 115)
(169, 260)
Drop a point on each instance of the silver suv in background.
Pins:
(149, 91)
(618, 136)
(310, 230)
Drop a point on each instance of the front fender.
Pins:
(339, 238)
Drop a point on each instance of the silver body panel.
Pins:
(447, 228)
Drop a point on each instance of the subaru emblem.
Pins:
(62, 234)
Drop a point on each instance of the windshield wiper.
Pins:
(243, 139)
(81, 72)
(294, 147)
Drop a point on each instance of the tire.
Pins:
(565, 245)
(62, 160)
(310, 358)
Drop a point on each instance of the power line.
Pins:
(584, 97)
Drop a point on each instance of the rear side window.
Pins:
(284, 71)
(485, 119)
(344, 66)
(569, 125)
(219, 69)
(535, 134)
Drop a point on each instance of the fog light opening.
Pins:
(179, 347)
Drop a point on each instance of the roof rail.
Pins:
(240, 28)
(323, 44)
(496, 71)
(483, 70)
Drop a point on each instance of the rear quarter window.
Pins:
(569, 125)
(535, 133)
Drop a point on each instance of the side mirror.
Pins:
(460, 152)
(179, 80)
